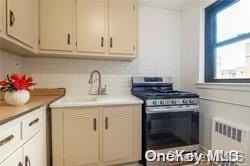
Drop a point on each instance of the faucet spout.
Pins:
(99, 92)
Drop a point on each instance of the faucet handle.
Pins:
(104, 90)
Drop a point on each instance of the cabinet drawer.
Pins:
(31, 125)
(10, 138)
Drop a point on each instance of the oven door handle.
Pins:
(172, 109)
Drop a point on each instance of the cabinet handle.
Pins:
(34, 122)
(27, 161)
(68, 39)
(102, 41)
(94, 124)
(106, 123)
(20, 164)
(12, 18)
(6, 140)
(111, 42)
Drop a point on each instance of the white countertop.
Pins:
(93, 100)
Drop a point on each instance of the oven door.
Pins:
(171, 126)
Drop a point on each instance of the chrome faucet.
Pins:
(101, 90)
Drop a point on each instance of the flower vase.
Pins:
(17, 98)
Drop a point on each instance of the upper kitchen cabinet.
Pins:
(91, 26)
(103, 29)
(122, 27)
(56, 25)
(1, 17)
(107, 28)
(20, 21)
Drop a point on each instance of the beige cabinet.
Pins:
(91, 26)
(117, 133)
(1, 17)
(96, 135)
(81, 136)
(56, 25)
(122, 27)
(20, 21)
(14, 159)
(107, 27)
(32, 151)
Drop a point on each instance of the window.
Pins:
(227, 41)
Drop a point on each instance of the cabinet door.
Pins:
(21, 20)
(1, 17)
(117, 133)
(13, 160)
(56, 21)
(122, 27)
(91, 18)
(81, 136)
(33, 151)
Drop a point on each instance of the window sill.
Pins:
(242, 87)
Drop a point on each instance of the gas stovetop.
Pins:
(155, 91)
(163, 95)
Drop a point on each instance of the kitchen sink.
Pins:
(80, 99)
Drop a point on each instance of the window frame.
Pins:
(211, 44)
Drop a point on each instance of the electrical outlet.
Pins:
(17, 64)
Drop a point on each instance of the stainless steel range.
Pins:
(170, 117)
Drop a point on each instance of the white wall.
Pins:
(190, 47)
(9, 63)
(226, 101)
(159, 54)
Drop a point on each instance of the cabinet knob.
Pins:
(27, 161)
(111, 42)
(34, 122)
(106, 123)
(6, 140)
(68, 39)
(94, 124)
(102, 41)
(12, 18)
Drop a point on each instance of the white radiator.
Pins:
(228, 136)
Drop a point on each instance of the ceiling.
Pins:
(171, 4)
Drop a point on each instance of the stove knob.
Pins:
(173, 102)
(154, 102)
(162, 102)
(184, 101)
(191, 101)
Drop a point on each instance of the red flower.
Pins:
(3, 83)
(29, 79)
(16, 82)
(15, 77)
(20, 84)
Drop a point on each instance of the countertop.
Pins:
(81, 101)
(8, 112)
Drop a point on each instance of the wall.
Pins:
(229, 102)
(159, 54)
(9, 63)
(190, 47)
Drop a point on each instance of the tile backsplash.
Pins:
(159, 55)
(9, 63)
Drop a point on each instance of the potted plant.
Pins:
(16, 88)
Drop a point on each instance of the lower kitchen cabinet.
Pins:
(103, 135)
(33, 152)
(81, 136)
(118, 133)
(23, 141)
(14, 160)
